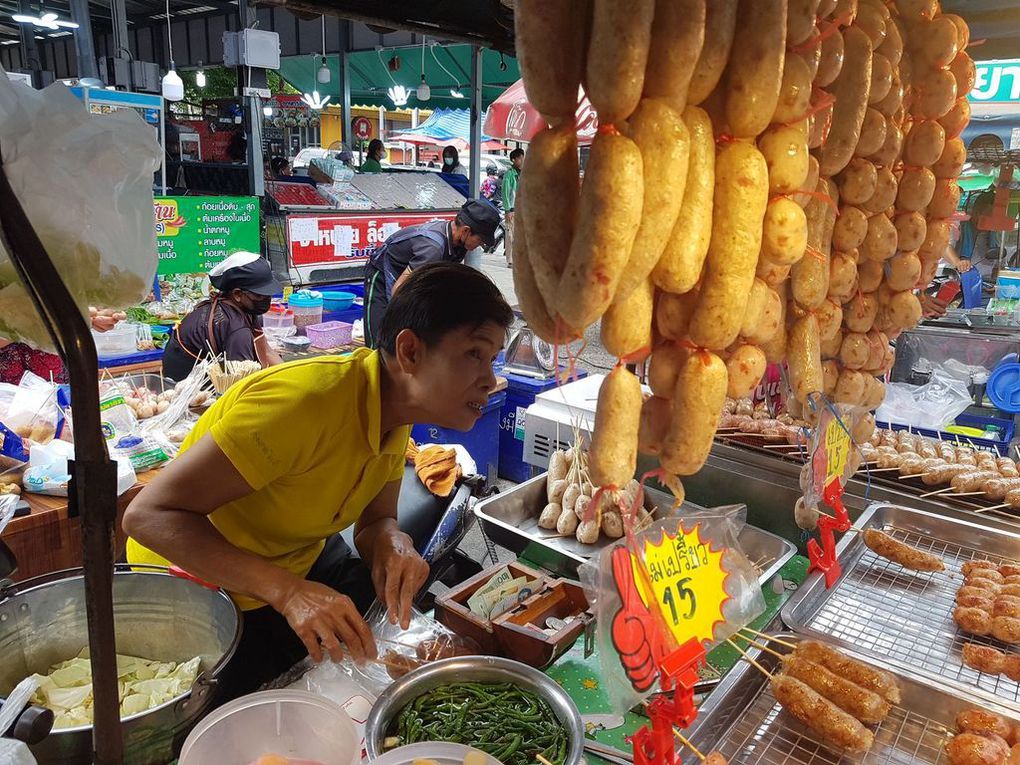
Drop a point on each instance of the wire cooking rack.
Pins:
(765, 735)
(905, 617)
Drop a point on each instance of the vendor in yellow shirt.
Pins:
(292, 455)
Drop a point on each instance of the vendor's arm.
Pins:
(960, 264)
(400, 281)
(398, 572)
(265, 352)
(168, 517)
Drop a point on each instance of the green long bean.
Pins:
(506, 721)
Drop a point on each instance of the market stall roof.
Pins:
(372, 73)
(444, 127)
(513, 117)
(488, 23)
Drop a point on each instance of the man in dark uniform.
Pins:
(412, 247)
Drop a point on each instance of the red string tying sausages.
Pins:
(609, 129)
(703, 353)
(824, 30)
(820, 101)
(635, 357)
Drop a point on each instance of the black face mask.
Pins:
(260, 305)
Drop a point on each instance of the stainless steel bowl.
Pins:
(479, 669)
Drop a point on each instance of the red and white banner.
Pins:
(342, 239)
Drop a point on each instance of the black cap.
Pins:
(482, 218)
(245, 270)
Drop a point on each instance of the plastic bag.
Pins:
(402, 650)
(32, 410)
(338, 682)
(49, 473)
(100, 236)
(8, 505)
(933, 406)
(117, 418)
(617, 589)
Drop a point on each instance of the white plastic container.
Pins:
(119, 341)
(440, 751)
(294, 724)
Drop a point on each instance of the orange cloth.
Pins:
(437, 468)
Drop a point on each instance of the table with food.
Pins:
(724, 555)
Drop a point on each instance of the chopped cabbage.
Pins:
(142, 685)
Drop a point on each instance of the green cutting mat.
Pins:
(581, 677)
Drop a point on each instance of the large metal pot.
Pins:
(158, 616)
(480, 669)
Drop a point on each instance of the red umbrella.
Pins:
(512, 117)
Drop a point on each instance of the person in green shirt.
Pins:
(376, 152)
(509, 192)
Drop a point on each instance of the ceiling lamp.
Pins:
(200, 76)
(46, 21)
(267, 111)
(424, 92)
(398, 95)
(173, 86)
(456, 93)
(323, 75)
(315, 101)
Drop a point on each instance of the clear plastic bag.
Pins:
(339, 682)
(100, 236)
(933, 406)
(401, 651)
(630, 677)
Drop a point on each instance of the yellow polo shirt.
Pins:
(306, 437)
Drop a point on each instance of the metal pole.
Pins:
(347, 134)
(93, 489)
(251, 108)
(29, 50)
(476, 121)
(121, 41)
(83, 44)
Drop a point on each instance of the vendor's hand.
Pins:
(323, 619)
(931, 306)
(398, 572)
(964, 267)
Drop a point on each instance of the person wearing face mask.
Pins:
(451, 162)
(376, 153)
(230, 322)
(410, 248)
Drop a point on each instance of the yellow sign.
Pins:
(687, 581)
(837, 449)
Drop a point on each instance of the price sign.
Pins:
(684, 580)
(837, 449)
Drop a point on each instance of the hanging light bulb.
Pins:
(267, 111)
(398, 95)
(200, 76)
(173, 85)
(315, 101)
(424, 92)
(323, 75)
(456, 93)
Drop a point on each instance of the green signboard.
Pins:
(997, 82)
(196, 233)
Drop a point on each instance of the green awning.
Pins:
(371, 77)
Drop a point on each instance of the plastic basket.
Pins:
(329, 334)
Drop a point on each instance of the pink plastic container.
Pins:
(329, 334)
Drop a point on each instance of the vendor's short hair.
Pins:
(438, 298)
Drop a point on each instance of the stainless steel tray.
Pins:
(511, 519)
(744, 722)
(902, 618)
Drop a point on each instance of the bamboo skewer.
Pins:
(542, 760)
(761, 647)
(937, 491)
(688, 744)
(770, 638)
(749, 660)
